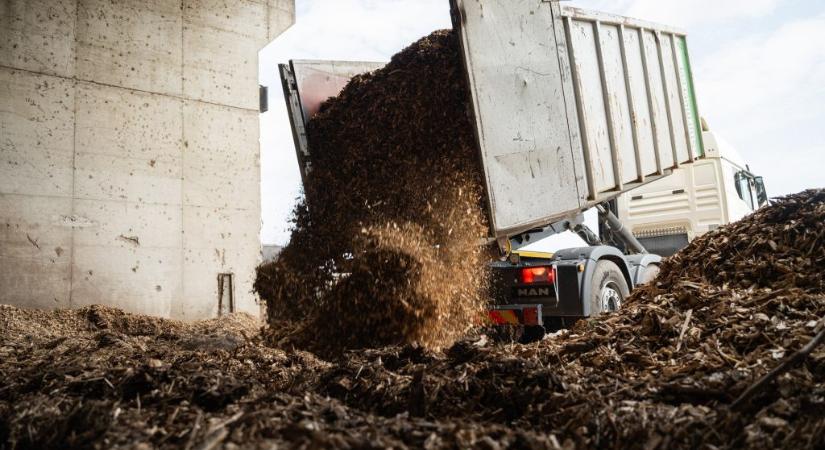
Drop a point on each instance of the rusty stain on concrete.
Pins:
(32, 241)
(134, 240)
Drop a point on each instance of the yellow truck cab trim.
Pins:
(531, 254)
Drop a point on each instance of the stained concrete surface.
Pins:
(129, 153)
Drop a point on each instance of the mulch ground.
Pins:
(717, 353)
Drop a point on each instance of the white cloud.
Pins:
(684, 13)
(789, 169)
(765, 71)
(688, 13)
(361, 29)
(766, 93)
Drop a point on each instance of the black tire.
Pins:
(532, 334)
(505, 334)
(650, 273)
(608, 288)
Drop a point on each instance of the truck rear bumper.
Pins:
(562, 299)
(527, 315)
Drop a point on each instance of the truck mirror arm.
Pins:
(761, 193)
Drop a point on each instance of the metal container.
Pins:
(307, 84)
(571, 107)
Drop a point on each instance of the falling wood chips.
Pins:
(727, 316)
(385, 245)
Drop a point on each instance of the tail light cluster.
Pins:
(538, 274)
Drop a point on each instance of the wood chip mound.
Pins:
(669, 370)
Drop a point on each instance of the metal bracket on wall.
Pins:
(226, 294)
(263, 99)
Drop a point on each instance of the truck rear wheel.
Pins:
(608, 289)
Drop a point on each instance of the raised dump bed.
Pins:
(571, 107)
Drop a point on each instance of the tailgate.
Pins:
(571, 107)
(307, 84)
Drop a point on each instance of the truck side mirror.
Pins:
(761, 193)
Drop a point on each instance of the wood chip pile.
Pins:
(393, 201)
(718, 353)
(679, 366)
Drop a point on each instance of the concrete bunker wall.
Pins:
(129, 152)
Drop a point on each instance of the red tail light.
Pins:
(539, 274)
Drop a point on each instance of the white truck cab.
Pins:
(666, 214)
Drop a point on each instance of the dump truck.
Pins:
(572, 108)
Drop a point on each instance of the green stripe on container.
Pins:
(687, 76)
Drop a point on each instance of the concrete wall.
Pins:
(129, 154)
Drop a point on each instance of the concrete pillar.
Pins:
(129, 154)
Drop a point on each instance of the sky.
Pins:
(758, 65)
